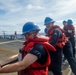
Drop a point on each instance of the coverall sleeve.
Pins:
(55, 37)
(39, 51)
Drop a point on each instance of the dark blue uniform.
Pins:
(40, 52)
(68, 52)
(72, 40)
(57, 56)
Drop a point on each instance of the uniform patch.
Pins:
(55, 33)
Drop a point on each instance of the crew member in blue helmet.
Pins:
(57, 39)
(70, 32)
(64, 28)
(34, 57)
(56, 57)
(64, 24)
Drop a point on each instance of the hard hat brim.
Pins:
(49, 22)
(30, 31)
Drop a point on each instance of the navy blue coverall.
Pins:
(55, 66)
(56, 57)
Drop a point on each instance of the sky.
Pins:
(15, 13)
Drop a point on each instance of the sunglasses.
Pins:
(28, 34)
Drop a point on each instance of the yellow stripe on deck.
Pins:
(8, 51)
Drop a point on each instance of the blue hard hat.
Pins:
(69, 22)
(28, 27)
(64, 21)
(48, 20)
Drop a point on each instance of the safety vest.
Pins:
(61, 41)
(69, 31)
(36, 68)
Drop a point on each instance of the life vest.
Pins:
(36, 68)
(62, 41)
(69, 31)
